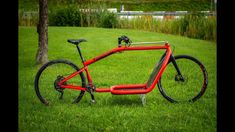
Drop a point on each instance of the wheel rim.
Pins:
(191, 88)
(45, 85)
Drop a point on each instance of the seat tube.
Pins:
(80, 54)
(88, 76)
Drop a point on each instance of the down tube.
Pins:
(168, 54)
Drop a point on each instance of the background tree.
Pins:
(42, 29)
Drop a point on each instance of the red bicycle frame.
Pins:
(121, 89)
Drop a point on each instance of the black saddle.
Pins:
(76, 41)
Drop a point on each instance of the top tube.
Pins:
(158, 42)
(124, 48)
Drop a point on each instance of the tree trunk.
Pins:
(42, 29)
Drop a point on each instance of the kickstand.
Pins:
(92, 98)
(143, 99)
(91, 91)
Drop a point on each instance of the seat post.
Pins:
(80, 53)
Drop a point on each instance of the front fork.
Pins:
(179, 76)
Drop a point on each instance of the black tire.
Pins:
(194, 86)
(47, 75)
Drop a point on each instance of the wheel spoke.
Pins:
(48, 76)
(173, 89)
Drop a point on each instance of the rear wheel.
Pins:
(52, 72)
(189, 88)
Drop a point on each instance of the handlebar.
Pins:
(125, 39)
(128, 42)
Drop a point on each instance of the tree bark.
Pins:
(42, 29)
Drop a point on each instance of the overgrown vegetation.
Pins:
(27, 18)
(143, 5)
(68, 16)
(164, 5)
(193, 25)
(91, 13)
(85, 17)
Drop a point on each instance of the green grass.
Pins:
(112, 112)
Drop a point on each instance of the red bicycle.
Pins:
(179, 78)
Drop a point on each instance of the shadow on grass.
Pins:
(126, 100)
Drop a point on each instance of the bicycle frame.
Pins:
(121, 89)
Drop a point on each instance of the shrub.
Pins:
(72, 16)
(108, 20)
(198, 26)
(68, 16)
(193, 26)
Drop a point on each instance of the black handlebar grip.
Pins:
(119, 42)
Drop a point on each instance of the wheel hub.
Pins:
(57, 86)
(179, 78)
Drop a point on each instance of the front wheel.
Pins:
(188, 87)
(49, 74)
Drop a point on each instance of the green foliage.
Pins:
(67, 13)
(172, 5)
(182, 25)
(143, 5)
(27, 18)
(68, 16)
(88, 17)
(193, 26)
(108, 20)
(198, 26)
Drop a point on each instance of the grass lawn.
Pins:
(113, 112)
